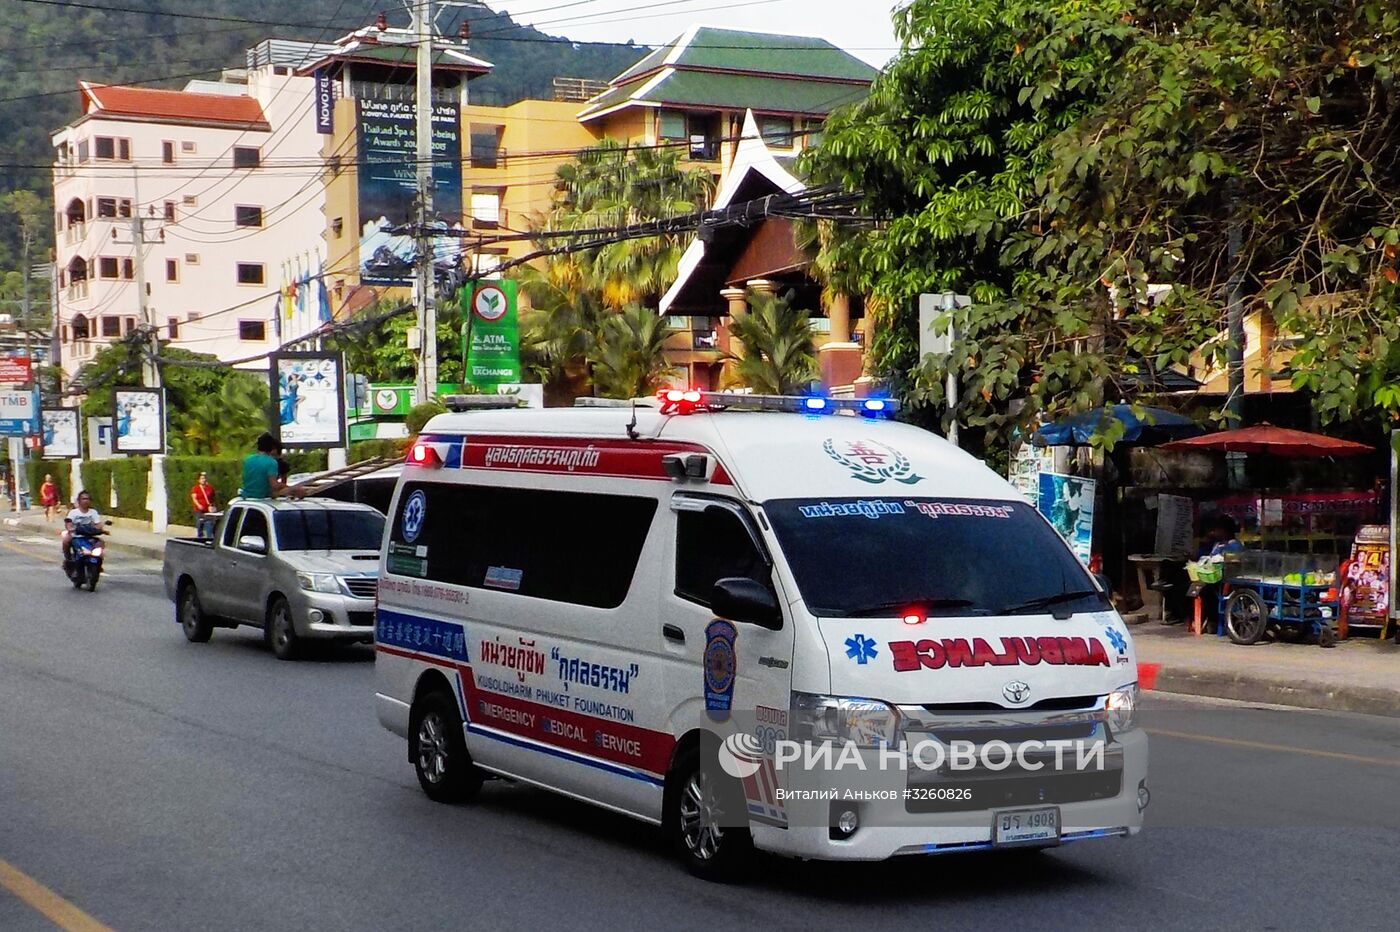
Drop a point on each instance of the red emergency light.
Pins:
(425, 455)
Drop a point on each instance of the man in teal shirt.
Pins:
(260, 478)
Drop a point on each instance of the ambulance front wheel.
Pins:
(439, 751)
(707, 819)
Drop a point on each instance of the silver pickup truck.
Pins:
(300, 570)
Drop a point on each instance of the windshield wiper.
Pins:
(895, 607)
(1046, 601)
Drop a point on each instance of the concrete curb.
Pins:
(1366, 700)
(149, 551)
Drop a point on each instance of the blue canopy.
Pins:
(1156, 425)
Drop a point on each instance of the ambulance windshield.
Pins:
(950, 557)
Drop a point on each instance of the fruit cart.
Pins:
(1292, 594)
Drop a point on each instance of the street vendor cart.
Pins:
(1294, 594)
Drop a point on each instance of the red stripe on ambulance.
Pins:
(580, 456)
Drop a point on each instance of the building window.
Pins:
(83, 151)
(191, 317)
(252, 331)
(776, 131)
(672, 125)
(128, 324)
(172, 270)
(338, 227)
(107, 267)
(703, 132)
(111, 326)
(172, 327)
(65, 333)
(281, 69)
(128, 269)
(486, 209)
(110, 147)
(189, 200)
(486, 146)
(191, 258)
(247, 216)
(246, 157)
(80, 328)
(170, 211)
(167, 152)
(187, 146)
(251, 273)
(106, 207)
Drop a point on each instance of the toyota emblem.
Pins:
(1016, 692)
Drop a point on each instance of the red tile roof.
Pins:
(177, 106)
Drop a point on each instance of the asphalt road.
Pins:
(156, 784)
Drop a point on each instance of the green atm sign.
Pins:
(491, 334)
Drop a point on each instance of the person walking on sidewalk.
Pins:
(204, 502)
(48, 497)
(261, 478)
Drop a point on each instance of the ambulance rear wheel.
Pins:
(438, 750)
(707, 818)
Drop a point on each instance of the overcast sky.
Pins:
(862, 27)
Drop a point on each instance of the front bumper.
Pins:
(889, 828)
(331, 615)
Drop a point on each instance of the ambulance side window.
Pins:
(712, 545)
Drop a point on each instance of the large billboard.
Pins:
(308, 392)
(388, 186)
(139, 416)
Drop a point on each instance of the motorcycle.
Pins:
(86, 550)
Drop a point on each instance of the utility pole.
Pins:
(427, 375)
(150, 370)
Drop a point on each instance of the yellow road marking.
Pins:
(1281, 748)
(52, 906)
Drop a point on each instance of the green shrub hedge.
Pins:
(97, 481)
(132, 479)
(62, 477)
(362, 450)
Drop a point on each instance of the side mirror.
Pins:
(252, 543)
(738, 598)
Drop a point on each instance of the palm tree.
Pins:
(612, 185)
(229, 420)
(629, 357)
(779, 354)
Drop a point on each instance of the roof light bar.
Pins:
(458, 404)
(680, 401)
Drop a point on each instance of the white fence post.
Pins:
(157, 502)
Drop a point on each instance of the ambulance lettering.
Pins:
(522, 659)
(1015, 651)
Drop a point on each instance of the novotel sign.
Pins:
(325, 103)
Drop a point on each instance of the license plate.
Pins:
(1020, 826)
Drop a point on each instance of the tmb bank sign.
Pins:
(19, 413)
(325, 103)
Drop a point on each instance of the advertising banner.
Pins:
(139, 416)
(308, 392)
(1067, 502)
(491, 333)
(62, 436)
(19, 412)
(388, 186)
(325, 103)
(15, 370)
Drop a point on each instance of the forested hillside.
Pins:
(52, 44)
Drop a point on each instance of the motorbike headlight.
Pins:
(318, 582)
(1121, 707)
(866, 723)
(97, 551)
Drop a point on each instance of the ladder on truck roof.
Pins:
(323, 481)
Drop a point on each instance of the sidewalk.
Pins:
(1360, 674)
(125, 535)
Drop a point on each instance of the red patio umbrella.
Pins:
(1266, 438)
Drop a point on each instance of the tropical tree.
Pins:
(224, 423)
(559, 330)
(629, 358)
(779, 355)
(376, 345)
(613, 185)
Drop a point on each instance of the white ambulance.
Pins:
(686, 610)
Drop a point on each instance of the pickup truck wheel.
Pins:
(196, 625)
(439, 750)
(281, 633)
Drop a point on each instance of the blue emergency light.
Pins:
(678, 401)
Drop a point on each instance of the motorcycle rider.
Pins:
(83, 517)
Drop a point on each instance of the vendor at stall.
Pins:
(1220, 535)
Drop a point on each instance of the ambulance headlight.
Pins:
(866, 723)
(1121, 707)
(318, 582)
